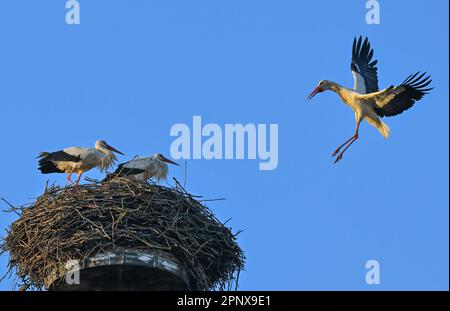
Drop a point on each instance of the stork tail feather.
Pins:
(383, 129)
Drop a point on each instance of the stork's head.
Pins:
(160, 157)
(102, 145)
(323, 85)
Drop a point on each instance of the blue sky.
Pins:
(132, 69)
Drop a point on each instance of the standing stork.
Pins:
(143, 168)
(78, 160)
(367, 102)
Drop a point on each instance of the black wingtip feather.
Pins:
(415, 87)
(48, 167)
(47, 161)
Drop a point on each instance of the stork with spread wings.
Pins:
(365, 99)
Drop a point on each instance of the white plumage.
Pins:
(78, 160)
(366, 101)
(143, 168)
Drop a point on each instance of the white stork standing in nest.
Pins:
(143, 168)
(366, 100)
(78, 160)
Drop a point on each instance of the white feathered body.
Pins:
(90, 158)
(143, 168)
(362, 107)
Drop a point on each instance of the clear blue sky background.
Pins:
(132, 69)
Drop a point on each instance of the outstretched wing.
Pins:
(394, 100)
(364, 70)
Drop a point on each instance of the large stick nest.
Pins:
(67, 224)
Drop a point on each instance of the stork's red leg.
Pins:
(339, 148)
(350, 141)
(79, 177)
(68, 178)
(339, 157)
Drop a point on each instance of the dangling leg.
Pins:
(348, 140)
(339, 148)
(351, 141)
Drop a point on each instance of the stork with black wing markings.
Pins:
(365, 99)
(78, 160)
(143, 168)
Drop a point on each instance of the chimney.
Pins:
(125, 269)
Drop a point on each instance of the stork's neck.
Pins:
(333, 86)
(104, 151)
(343, 92)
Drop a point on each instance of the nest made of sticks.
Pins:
(73, 224)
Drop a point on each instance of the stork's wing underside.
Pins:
(364, 70)
(394, 100)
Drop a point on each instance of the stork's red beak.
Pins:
(314, 92)
(113, 149)
(163, 158)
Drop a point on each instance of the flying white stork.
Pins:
(143, 168)
(366, 100)
(78, 160)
